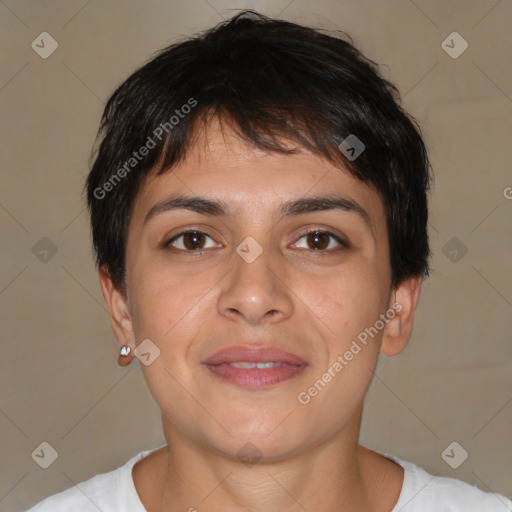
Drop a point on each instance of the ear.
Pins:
(117, 304)
(398, 330)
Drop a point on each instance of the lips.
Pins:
(237, 354)
(254, 367)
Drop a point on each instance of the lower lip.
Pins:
(255, 378)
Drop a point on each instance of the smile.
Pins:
(254, 375)
(257, 365)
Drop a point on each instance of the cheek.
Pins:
(170, 310)
(354, 303)
(166, 300)
(347, 302)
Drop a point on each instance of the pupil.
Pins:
(192, 237)
(317, 238)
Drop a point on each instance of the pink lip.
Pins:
(289, 366)
(253, 355)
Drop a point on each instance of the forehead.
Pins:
(252, 182)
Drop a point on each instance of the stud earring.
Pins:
(125, 357)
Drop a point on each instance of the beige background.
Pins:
(59, 381)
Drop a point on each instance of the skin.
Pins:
(293, 296)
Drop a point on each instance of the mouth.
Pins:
(254, 367)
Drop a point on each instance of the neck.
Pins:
(336, 475)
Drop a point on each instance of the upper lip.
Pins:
(249, 354)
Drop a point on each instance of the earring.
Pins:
(125, 357)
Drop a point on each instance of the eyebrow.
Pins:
(291, 208)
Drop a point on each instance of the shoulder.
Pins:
(423, 492)
(109, 492)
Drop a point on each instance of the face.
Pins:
(306, 281)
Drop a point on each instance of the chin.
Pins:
(251, 449)
(270, 439)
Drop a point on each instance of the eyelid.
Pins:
(169, 240)
(340, 239)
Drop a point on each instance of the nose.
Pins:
(256, 292)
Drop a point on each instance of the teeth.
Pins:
(266, 365)
(254, 365)
(243, 365)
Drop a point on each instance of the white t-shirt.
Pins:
(421, 492)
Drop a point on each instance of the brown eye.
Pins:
(317, 240)
(193, 240)
(322, 241)
(190, 241)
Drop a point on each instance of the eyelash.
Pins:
(167, 245)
